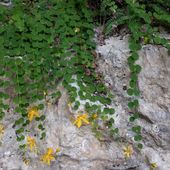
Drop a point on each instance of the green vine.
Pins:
(44, 43)
(143, 20)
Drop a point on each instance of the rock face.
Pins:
(5, 2)
(80, 150)
(154, 81)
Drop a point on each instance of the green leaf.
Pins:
(104, 117)
(131, 105)
(2, 114)
(136, 115)
(108, 111)
(22, 146)
(133, 84)
(135, 68)
(140, 146)
(136, 103)
(131, 60)
(130, 92)
(138, 68)
(56, 94)
(112, 120)
(27, 122)
(76, 105)
(43, 135)
(4, 95)
(134, 46)
(132, 119)
(19, 121)
(114, 131)
(21, 138)
(136, 92)
(40, 126)
(157, 40)
(37, 118)
(21, 130)
(138, 138)
(42, 117)
(41, 106)
(100, 88)
(18, 109)
(135, 56)
(136, 129)
(134, 77)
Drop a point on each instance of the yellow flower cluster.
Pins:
(2, 129)
(45, 158)
(128, 151)
(48, 156)
(31, 143)
(32, 113)
(94, 116)
(81, 119)
(153, 165)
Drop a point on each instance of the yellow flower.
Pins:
(57, 150)
(48, 156)
(1, 129)
(31, 143)
(94, 116)
(81, 119)
(128, 151)
(77, 30)
(33, 112)
(69, 104)
(153, 165)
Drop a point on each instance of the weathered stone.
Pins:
(80, 149)
(153, 83)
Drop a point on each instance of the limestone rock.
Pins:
(154, 81)
(80, 149)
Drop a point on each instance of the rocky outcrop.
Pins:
(154, 81)
(80, 149)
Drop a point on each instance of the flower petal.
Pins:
(79, 123)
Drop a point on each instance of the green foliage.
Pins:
(142, 19)
(108, 6)
(43, 43)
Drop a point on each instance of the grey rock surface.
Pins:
(5, 2)
(80, 149)
(154, 103)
